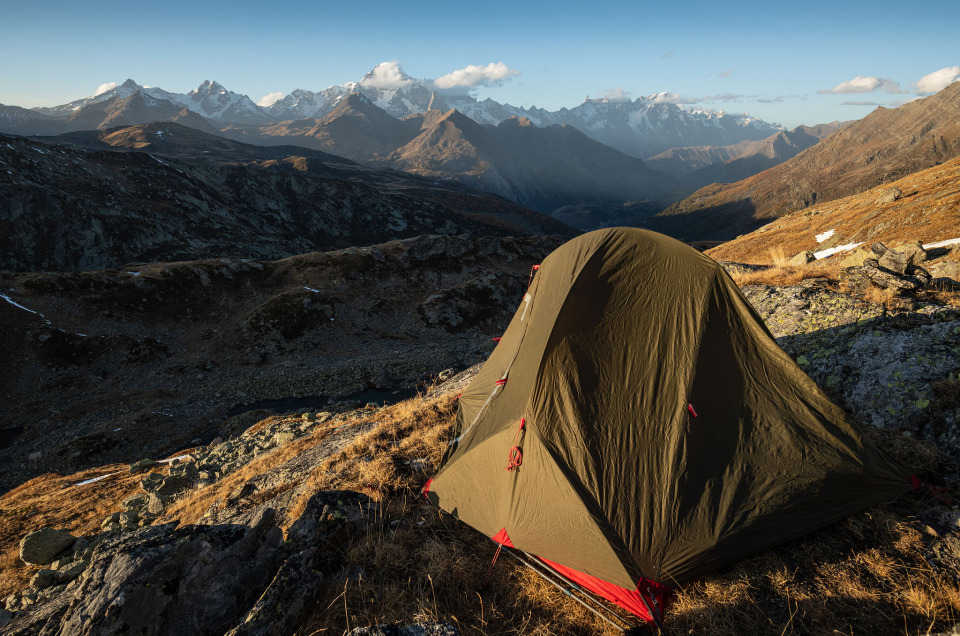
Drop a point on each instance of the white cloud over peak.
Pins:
(864, 85)
(103, 88)
(937, 81)
(671, 98)
(476, 75)
(615, 95)
(271, 99)
(388, 76)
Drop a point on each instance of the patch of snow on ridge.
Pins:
(955, 241)
(835, 250)
(823, 237)
(93, 479)
(15, 304)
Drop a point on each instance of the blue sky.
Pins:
(774, 61)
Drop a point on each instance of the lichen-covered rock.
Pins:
(42, 546)
(165, 580)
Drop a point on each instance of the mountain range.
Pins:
(640, 128)
(543, 168)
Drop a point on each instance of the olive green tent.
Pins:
(638, 426)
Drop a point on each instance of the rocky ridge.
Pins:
(68, 208)
(100, 361)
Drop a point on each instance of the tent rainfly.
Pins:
(637, 426)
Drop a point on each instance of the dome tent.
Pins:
(637, 426)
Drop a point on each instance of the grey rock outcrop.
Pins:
(892, 269)
(42, 546)
(163, 580)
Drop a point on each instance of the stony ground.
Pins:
(142, 361)
(276, 521)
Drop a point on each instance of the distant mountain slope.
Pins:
(926, 211)
(884, 146)
(183, 144)
(64, 208)
(702, 165)
(540, 168)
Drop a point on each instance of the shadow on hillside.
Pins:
(720, 222)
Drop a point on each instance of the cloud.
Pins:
(103, 88)
(676, 98)
(271, 99)
(937, 81)
(615, 95)
(389, 76)
(667, 55)
(860, 103)
(864, 85)
(726, 73)
(722, 97)
(771, 100)
(474, 75)
(671, 98)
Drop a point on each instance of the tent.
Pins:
(637, 426)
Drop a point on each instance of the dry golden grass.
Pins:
(53, 500)
(927, 212)
(786, 275)
(868, 574)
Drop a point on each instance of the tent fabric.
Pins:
(665, 432)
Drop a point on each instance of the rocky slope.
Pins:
(98, 363)
(700, 166)
(263, 525)
(69, 208)
(921, 206)
(885, 146)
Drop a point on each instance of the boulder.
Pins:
(43, 579)
(142, 466)
(915, 249)
(42, 546)
(890, 195)
(134, 502)
(879, 249)
(802, 259)
(856, 258)
(896, 261)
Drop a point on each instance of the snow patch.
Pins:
(955, 241)
(835, 250)
(315, 291)
(173, 459)
(15, 304)
(823, 237)
(93, 479)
